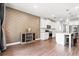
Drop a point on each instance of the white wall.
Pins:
(58, 26)
(42, 23)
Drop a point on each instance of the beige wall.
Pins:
(17, 22)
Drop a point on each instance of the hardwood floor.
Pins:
(41, 48)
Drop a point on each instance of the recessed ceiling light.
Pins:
(35, 6)
(77, 7)
(53, 15)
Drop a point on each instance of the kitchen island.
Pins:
(63, 38)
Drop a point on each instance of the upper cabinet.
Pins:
(45, 22)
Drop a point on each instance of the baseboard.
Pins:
(38, 39)
(15, 43)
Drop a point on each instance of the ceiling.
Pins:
(54, 11)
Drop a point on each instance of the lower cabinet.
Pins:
(27, 37)
(44, 36)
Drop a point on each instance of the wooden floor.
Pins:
(41, 48)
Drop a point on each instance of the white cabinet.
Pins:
(44, 35)
(45, 22)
